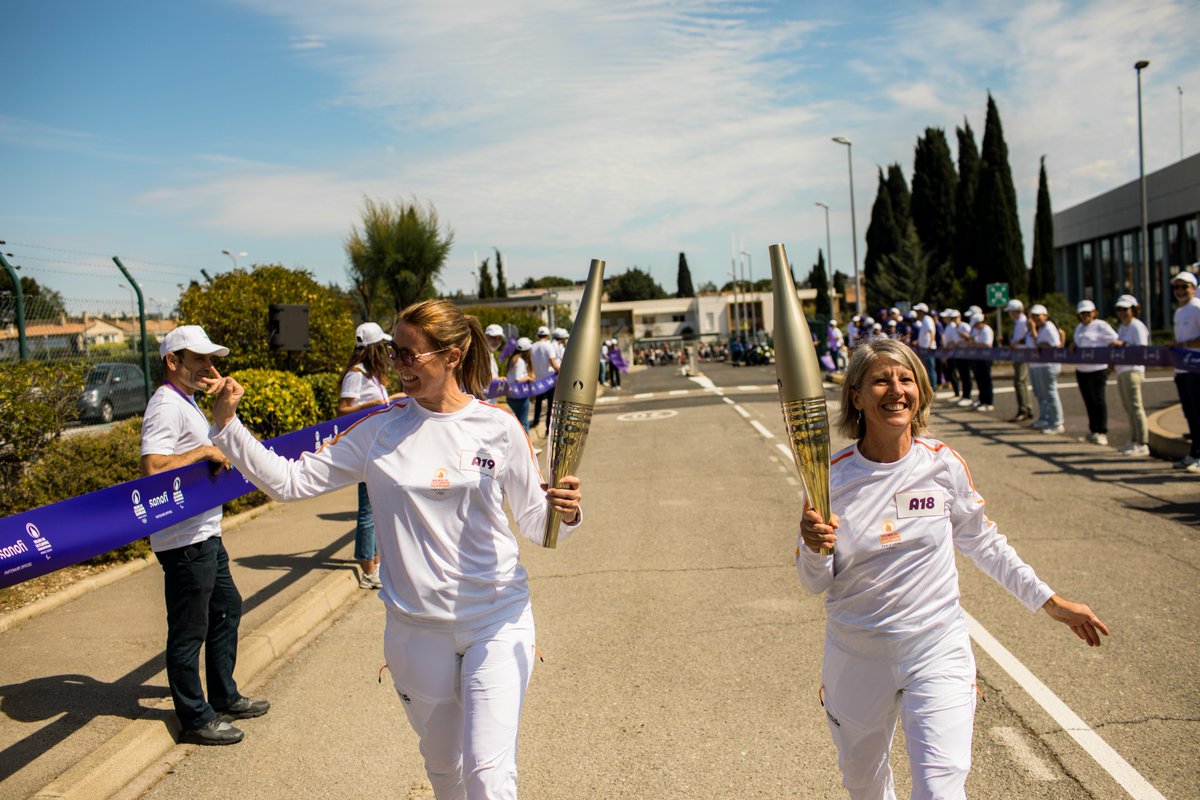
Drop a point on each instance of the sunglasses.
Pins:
(408, 357)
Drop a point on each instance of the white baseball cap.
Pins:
(1038, 308)
(524, 345)
(369, 333)
(1014, 305)
(953, 313)
(493, 330)
(190, 337)
(1085, 305)
(1126, 301)
(974, 310)
(560, 333)
(976, 319)
(543, 331)
(921, 307)
(1185, 277)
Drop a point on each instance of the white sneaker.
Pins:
(1193, 468)
(1054, 429)
(1100, 439)
(1136, 450)
(1185, 462)
(987, 407)
(965, 402)
(369, 580)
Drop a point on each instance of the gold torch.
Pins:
(575, 393)
(800, 387)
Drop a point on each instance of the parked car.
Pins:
(112, 391)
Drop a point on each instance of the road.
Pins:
(682, 657)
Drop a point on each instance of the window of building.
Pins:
(678, 318)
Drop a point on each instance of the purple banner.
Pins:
(46, 539)
(616, 359)
(1152, 356)
(501, 386)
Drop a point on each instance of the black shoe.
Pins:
(244, 708)
(217, 731)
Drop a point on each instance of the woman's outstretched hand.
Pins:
(816, 533)
(1078, 617)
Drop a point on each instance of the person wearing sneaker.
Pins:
(958, 332)
(440, 467)
(203, 603)
(365, 385)
(1093, 378)
(982, 336)
(1043, 334)
(1132, 332)
(1016, 312)
(1187, 384)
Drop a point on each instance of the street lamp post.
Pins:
(733, 267)
(753, 297)
(828, 257)
(234, 257)
(132, 300)
(858, 300)
(1148, 302)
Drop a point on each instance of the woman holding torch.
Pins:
(896, 641)
(459, 640)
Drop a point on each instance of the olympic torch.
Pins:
(801, 395)
(575, 393)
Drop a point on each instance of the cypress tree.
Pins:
(486, 287)
(501, 282)
(933, 188)
(683, 280)
(1041, 276)
(819, 280)
(903, 273)
(964, 212)
(901, 200)
(1000, 253)
(883, 234)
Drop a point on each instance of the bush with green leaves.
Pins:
(36, 401)
(233, 311)
(327, 390)
(527, 323)
(275, 402)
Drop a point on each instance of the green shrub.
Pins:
(526, 322)
(327, 390)
(36, 401)
(275, 402)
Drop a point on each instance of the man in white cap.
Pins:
(545, 363)
(1187, 334)
(203, 604)
(1016, 312)
(926, 341)
(495, 339)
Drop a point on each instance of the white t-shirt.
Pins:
(891, 585)
(172, 425)
(362, 389)
(1134, 334)
(1020, 330)
(543, 350)
(518, 370)
(1187, 323)
(1096, 333)
(926, 333)
(437, 484)
(983, 335)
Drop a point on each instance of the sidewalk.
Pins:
(83, 687)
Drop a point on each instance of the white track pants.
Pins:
(932, 693)
(463, 694)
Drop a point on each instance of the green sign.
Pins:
(997, 295)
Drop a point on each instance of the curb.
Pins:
(1163, 443)
(144, 740)
(111, 575)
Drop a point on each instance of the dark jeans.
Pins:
(964, 376)
(364, 529)
(1188, 386)
(548, 399)
(982, 371)
(203, 608)
(1091, 387)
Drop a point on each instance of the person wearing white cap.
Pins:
(1132, 332)
(517, 369)
(203, 603)
(1187, 384)
(365, 384)
(544, 357)
(1043, 334)
(1016, 312)
(957, 336)
(1092, 378)
(494, 335)
(982, 335)
(926, 341)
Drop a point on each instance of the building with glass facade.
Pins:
(1097, 244)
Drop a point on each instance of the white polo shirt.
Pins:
(543, 350)
(360, 388)
(174, 424)
(1096, 333)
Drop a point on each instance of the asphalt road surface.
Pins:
(682, 657)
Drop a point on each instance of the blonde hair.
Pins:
(851, 422)
(446, 326)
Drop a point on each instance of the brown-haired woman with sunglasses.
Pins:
(459, 640)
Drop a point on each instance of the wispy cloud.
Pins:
(309, 41)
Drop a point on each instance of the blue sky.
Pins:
(555, 130)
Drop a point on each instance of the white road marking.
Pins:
(729, 400)
(787, 451)
(643, 395)
(1020, 752)
(642, 416)
(754, 388)
(758, 426)
(677, 392)
(1095, 746)
(607, 399)
(745, 414)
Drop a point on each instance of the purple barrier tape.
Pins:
(501, 386)
(510, 347)
(1155, 356)
(46, 539)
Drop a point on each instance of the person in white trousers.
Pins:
(896, 643)
(459, 639)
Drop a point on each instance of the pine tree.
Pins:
(1000, 252)
(501, 281)
(819, 280)
(903, 273)
(683, 280)
(933, 189)
(883, 235)
(487, 289)
(964, 213)
(1041, 276)
(901, 199)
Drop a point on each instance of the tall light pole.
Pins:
(1180, 90)
(753, 298)
(737, 320)
(858, 299)
(132, 301)
(1148, 302)
(234, 257)
(828, 257)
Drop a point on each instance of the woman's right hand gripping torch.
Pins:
(801, 392)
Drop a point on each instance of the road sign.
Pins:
(997, 295)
